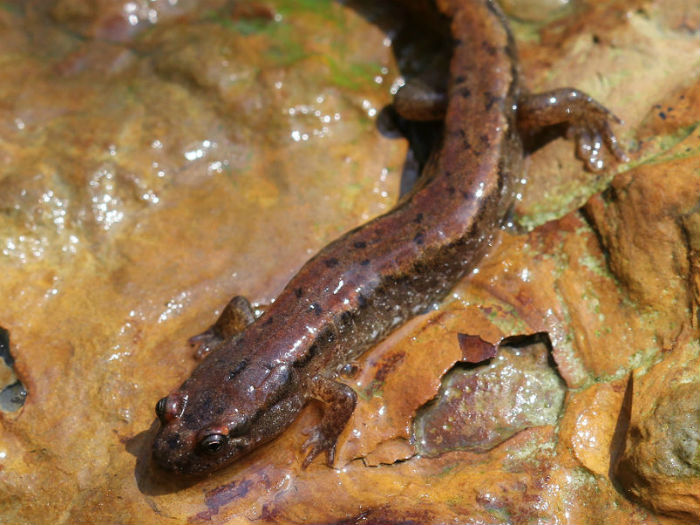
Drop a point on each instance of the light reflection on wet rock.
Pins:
(479, 408)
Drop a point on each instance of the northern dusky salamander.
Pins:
(259, 373)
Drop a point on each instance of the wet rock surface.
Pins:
(660, 464)
(158, 158)
(480, 408)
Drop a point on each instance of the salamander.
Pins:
(258, 373)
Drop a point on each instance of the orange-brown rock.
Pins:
(660, 464)
(646, 221)
(589, 426)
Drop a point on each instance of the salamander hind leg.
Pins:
(586, 121)
(235, 317)
(338, 402)
(418, 101)
(424, 98)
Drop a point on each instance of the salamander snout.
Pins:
(195, 436)
(185, 451)
(171, 450)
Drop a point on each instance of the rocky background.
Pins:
(160, 156)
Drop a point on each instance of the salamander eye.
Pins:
(171, 407)
(212, 444)
(160, 408)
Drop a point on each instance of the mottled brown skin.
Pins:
(256, 379)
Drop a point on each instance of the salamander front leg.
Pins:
(338, 402)
(235, 317)
(586, 121)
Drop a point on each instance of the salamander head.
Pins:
(217, 416)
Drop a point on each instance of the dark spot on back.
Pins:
(364, 262)
(316, 308)
(312, 352)
(345, 318)
(332, 262)
(662, 115)
(298, 292)
(484, 139)
(491, 99)
(240, 366)
(459, 79)
(466, 194)
(360, 244)
(461, 135)
(418, 219)
(451, 190)
(418, 239)
(464, 92)
(268, 321)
